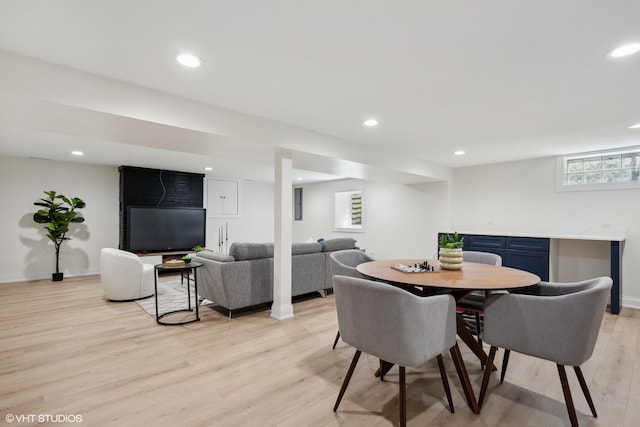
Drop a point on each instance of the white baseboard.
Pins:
(14, 278)
(631, 302)
(282, 312)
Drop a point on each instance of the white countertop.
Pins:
(609, 234)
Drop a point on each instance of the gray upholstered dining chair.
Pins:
(474, 301)
(397, 327)
(560, 324)
(344, 263)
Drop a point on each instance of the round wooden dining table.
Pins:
(472, 276)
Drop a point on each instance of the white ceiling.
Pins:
(502, 80)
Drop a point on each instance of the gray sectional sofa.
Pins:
(244, 278)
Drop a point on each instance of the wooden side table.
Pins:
(186, 269)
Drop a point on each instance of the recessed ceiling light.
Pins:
(625, 50)
(370, 122)
(77, 153)
(208, 168)
(459, 153)
(636, 126)
(299, 178)
(188, 60)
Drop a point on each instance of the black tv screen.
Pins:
(165, 229)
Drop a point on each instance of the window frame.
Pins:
(560, 171)
(343, 207)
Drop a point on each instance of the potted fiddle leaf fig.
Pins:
(58, 212)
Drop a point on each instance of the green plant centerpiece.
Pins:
(186, 259)
(450, 251)
(58, 212)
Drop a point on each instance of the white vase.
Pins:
(450, 259)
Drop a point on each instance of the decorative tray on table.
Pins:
(173, 263)
(423, 267)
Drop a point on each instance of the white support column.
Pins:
(282, 307)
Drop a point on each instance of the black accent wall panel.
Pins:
(158, 188)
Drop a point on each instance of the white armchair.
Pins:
(124, 276)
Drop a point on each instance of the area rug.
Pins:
(172, 295)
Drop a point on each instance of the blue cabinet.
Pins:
(536, 262)
(493, 244)
(487, 242)
(532, 254)
(528, 243)
(524, 253)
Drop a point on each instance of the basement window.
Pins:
(599, 170)
(348, 211)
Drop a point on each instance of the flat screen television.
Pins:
(165, 229)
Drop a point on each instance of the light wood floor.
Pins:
(65, 350)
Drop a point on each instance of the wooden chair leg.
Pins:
(385, 367)
(487, 374)
(478, 334)
(347, 378)
(585, 390)
(505, 362)
(567, 396)
(445, 382)
(464, 379)
(336, 340)
(403, 397)
(478, 328)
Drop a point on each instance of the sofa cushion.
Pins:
(246, 251)
(305, 248)
(215, 256)
(338, 244)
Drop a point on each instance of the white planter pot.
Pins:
(450, 259)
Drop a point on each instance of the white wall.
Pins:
(256, 221)
(521, 196)
(26, 253)
(400, 221)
